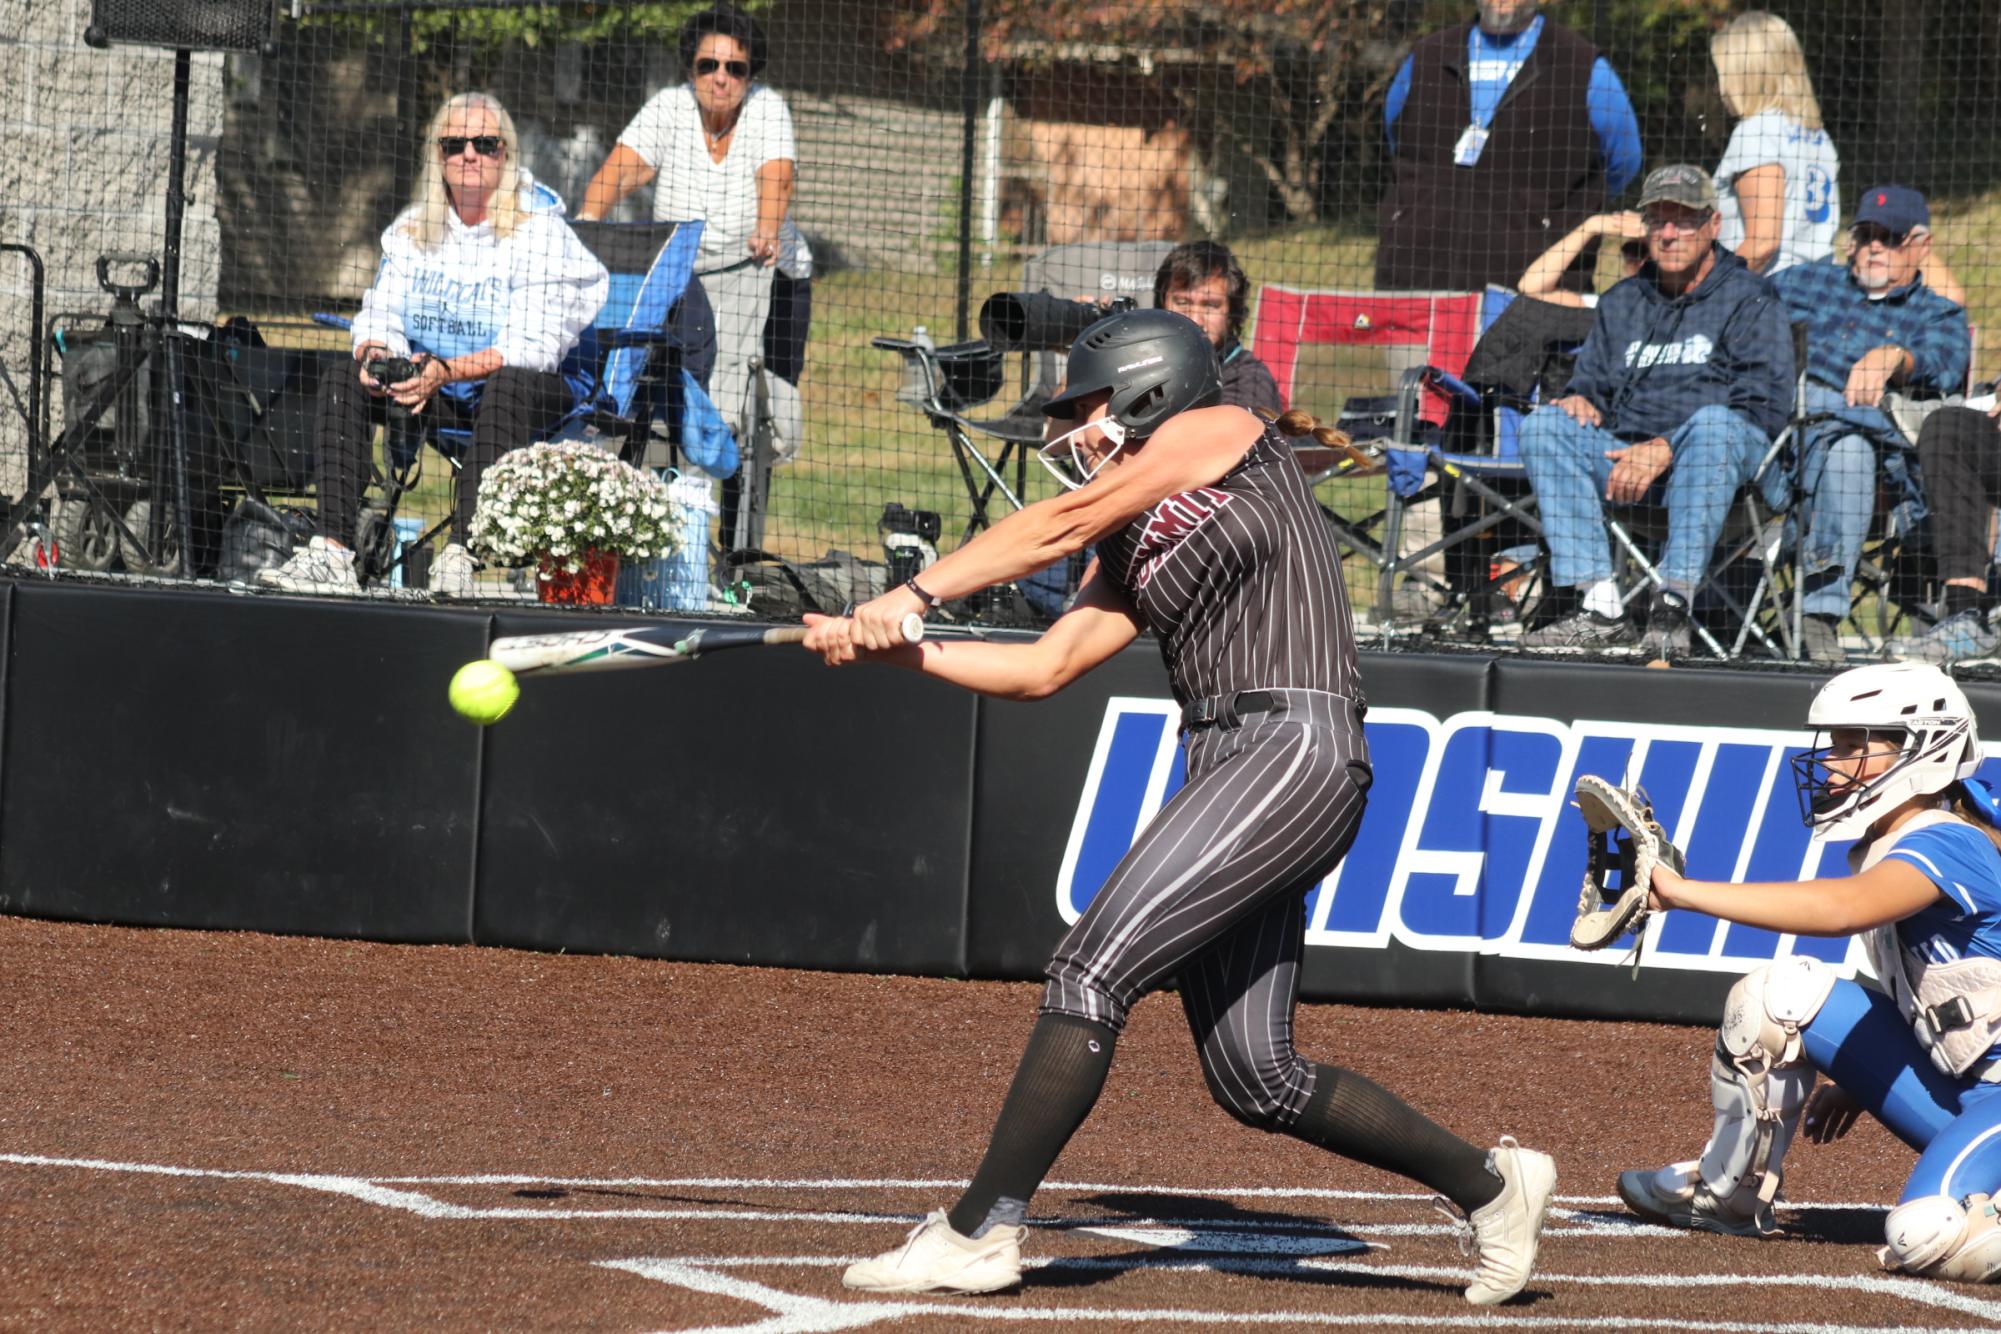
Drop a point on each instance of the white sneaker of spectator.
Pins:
(452, 572)
(320, 566)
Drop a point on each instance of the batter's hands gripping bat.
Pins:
(644, 646)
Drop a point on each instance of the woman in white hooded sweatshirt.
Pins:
(487, 291)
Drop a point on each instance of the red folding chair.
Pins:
(1380, 395)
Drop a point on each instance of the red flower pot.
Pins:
(593, 585)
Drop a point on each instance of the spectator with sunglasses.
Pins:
(1680, 388)
(486, 290)
(1872, 324)
(719, 148)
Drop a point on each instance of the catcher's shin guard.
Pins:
(1938, 1237)
(1760, 1081)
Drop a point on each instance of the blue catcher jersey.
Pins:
(1966, 920)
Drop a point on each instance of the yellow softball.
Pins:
(484, 691)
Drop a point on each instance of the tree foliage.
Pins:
(1297, 86)
(482, 31)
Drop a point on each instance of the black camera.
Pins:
(909, 540)
(1040, 321)
(386, 371)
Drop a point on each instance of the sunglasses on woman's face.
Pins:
(707, 65)
(486, 145)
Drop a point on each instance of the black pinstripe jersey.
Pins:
(1241, 582)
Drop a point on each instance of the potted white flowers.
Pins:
(573, 511)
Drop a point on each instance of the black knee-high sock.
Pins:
(1360, 1119)
(1054, 1088)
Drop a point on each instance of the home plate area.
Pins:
(1112, 1255)
(1162, 1258)
(766, 1254)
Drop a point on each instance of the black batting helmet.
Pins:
(1155, 363)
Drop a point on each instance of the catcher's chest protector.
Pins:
(1953, 1007)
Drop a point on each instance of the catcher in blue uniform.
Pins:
(1892, 768)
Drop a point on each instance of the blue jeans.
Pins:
(1837, 484)
(1715, 452)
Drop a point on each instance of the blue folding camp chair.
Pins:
(642, 362)
(1491, 533)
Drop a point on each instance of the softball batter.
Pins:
(1893, 774)
(1208, 535)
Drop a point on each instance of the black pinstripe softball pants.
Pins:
(1213, 894)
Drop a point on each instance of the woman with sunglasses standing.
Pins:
(719, 148)
(486, 290)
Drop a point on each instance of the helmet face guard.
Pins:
(1830, 794)
(1067, 460)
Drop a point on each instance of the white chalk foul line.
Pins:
(1940, 1296)
(373, 1190)
(960, 1183)
(794, 1313)
(813, 1311)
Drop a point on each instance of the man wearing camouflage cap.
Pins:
(1684, 381)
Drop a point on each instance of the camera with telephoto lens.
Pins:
(1040, 321)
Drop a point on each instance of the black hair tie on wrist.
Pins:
(930, 603)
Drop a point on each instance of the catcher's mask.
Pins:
(1912, 707)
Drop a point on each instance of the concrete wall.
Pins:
(85, 172)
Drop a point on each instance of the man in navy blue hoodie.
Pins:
(1678, 391)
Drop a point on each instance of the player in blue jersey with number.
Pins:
(1893, 765)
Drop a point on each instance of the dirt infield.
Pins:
(237, 1131)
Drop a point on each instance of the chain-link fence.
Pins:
(878, 169)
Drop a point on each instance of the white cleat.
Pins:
(934, 1258)
(1506, 1229)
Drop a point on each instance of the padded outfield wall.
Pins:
(202, 759)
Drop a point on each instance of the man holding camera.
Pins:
(1202, 280)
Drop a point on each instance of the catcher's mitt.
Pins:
(1626, 844)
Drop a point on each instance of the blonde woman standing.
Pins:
(1776, 187)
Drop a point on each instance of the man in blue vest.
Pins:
(1504, 132)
